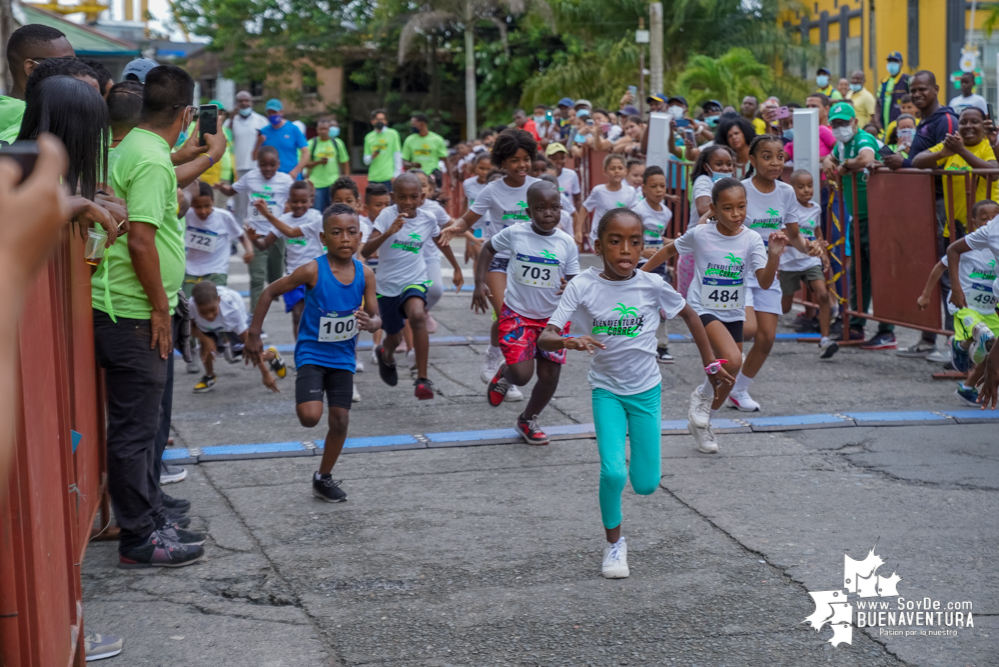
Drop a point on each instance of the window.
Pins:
(257, 89)
(832, 61)
(310, 82)
(208, 88)
(854, 55)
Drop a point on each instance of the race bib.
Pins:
(534, 271)
(653, 238)
(335, 327)
(982, 298)
(258, 217)
(201, 239)
(720, 294)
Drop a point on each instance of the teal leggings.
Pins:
(616, 417)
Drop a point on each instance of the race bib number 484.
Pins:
(541, 272)
(335, 327)
(721, 294)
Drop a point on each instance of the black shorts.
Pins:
(734, 328)
(312, 381)
(224, 337)
(392, 311)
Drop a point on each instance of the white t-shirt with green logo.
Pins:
(472, 189)
(568, 187)
(977, 273)
(602, 200)
(503, 205)
(305, 248)
(402, 256)
(537, 265)
(808, 220)
(443, 219)
(722, 266)
(273, 191)
(208, 241)
(654, 223)
(986, 238)
(623, 315)
(767, 213)
(231, 317)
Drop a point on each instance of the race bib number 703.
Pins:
(541, 272)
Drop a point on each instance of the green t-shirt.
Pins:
(426, 151)
(844, 152)
(387, 143)
(11, 113)
(142, 174)
(335, 151)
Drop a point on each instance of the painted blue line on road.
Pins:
(380, 441)
(176, 453)
(972, 414)
(259, 448)
(472, 436)
(794, 420)
(914, 416)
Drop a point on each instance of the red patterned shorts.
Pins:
(518, 338)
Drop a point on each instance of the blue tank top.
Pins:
(327, 334)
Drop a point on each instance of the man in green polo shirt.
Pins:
(382, 151)
(854, 152)
(28, 46)
(134, 292)
(328, 158)
(423, 149)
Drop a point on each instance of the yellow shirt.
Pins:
(760, 125)
(865, 105)
(981, 150)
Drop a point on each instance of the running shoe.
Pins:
(983, 339)
(805, 325)
(498, 388)
(491, 365)
(326, 488)
(882, 340)
(829, 348)
(172, 474)
(98, 647)
(411, 359)
(513, 394)
(743, 401)
(176, 519)
(358, 366)
(174, 505)
(615, 565)
(967, 394)
(856, 333)
(431, 324)
(206, 384)
(529, 430)
(959, 357)
(158, 550)
(938, 356)
(919, 350)
(374, 354)
(194, 366)
(277, 364)
(424, 389)
(189, 537)
(699, 412)
(663, 356)
(386, 371)
(696, 433)
(356, 396)
(708, 444)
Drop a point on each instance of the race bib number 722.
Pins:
(200, 239)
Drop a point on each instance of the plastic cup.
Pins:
(94, 252)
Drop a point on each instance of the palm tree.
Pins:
(772, 212)
(548, 254)
(625, 311)
(439, 15)
(415, 236)
(732, 259)
(727, 79)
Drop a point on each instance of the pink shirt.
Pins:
(826, 143)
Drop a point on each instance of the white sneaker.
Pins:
(708, 443)
(490, 366)
(194, 366)
(699, 412)
(743, 402)
(513, 394)
(411, 358)
(356, 398)
(697, 434)
(982, 336)
(374, 354)
(938, 356)
(615, 560)
(358, 366)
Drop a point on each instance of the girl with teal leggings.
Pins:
(619, 307)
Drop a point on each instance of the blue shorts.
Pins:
(391, 308)
(292, 298)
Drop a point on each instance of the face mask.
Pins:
(245, 112)
(414, 129)
(718, 175)
(274, 120)
(906, 134)
(580, 138)
(712, 121)
(822, 80)
(675, 112)
(379, 125)
(789, 134)
(855, 87)
(894, 68)
(334, 132)
(538, 120)
(844, 134)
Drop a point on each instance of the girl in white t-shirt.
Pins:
(656, 217)
(505, 201)
(472, 186)
(714, 163)
(614, 194)
(618, 310)
(770, 206)
(725, 255)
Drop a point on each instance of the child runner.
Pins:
(539, 165)
(269, 185)
(339, 302)
(565, 218)
(210, 234)
(714, 163)
(505, 202)
(614, 194)
(568, 180)
(973, 298)
(618, 307)
(655, 218)
(220, 322)
(402, 270)
(771, 206)
(635, 175)
(542, 259)
(376, 199)
(474, 184)
(725, 254)
(796, 266)
(301, 231)
(344, 191)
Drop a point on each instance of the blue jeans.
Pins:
(323, 199)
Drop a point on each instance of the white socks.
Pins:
(493, 352)
(741, 383)
(662, 334)
(706, 389)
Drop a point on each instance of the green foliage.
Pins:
(727, 79)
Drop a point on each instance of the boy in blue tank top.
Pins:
(340, 301)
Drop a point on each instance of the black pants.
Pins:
(942, 243)
(166, 405)
(135, 377)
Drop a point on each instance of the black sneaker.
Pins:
(883, 340)
(856, 333)
(189, 537)
(663, 356)
(159, 550)
(177, 520)
(423, 389)
(327, 488)
(386, 371)
(806, 324)
(175, 505)
(830, 348)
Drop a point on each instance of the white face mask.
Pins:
(906, 134)
(844, 134)
(675, 111)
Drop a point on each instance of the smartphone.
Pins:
(633, 90)
(605, 128)
(783, 112)
(589, 121)
(25, 153)
(992, 112)
(688, 134)
(885, 151)
(682, 122)
(208, 115)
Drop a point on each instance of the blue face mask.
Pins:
(580, 139)
(334, 132)
(894, 67)
(789, 134)
(712, 121)
(718, 175)
(822, 80)
(274, 119)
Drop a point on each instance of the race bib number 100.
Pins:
(200, 239)
(335, 327)
(531, 271)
